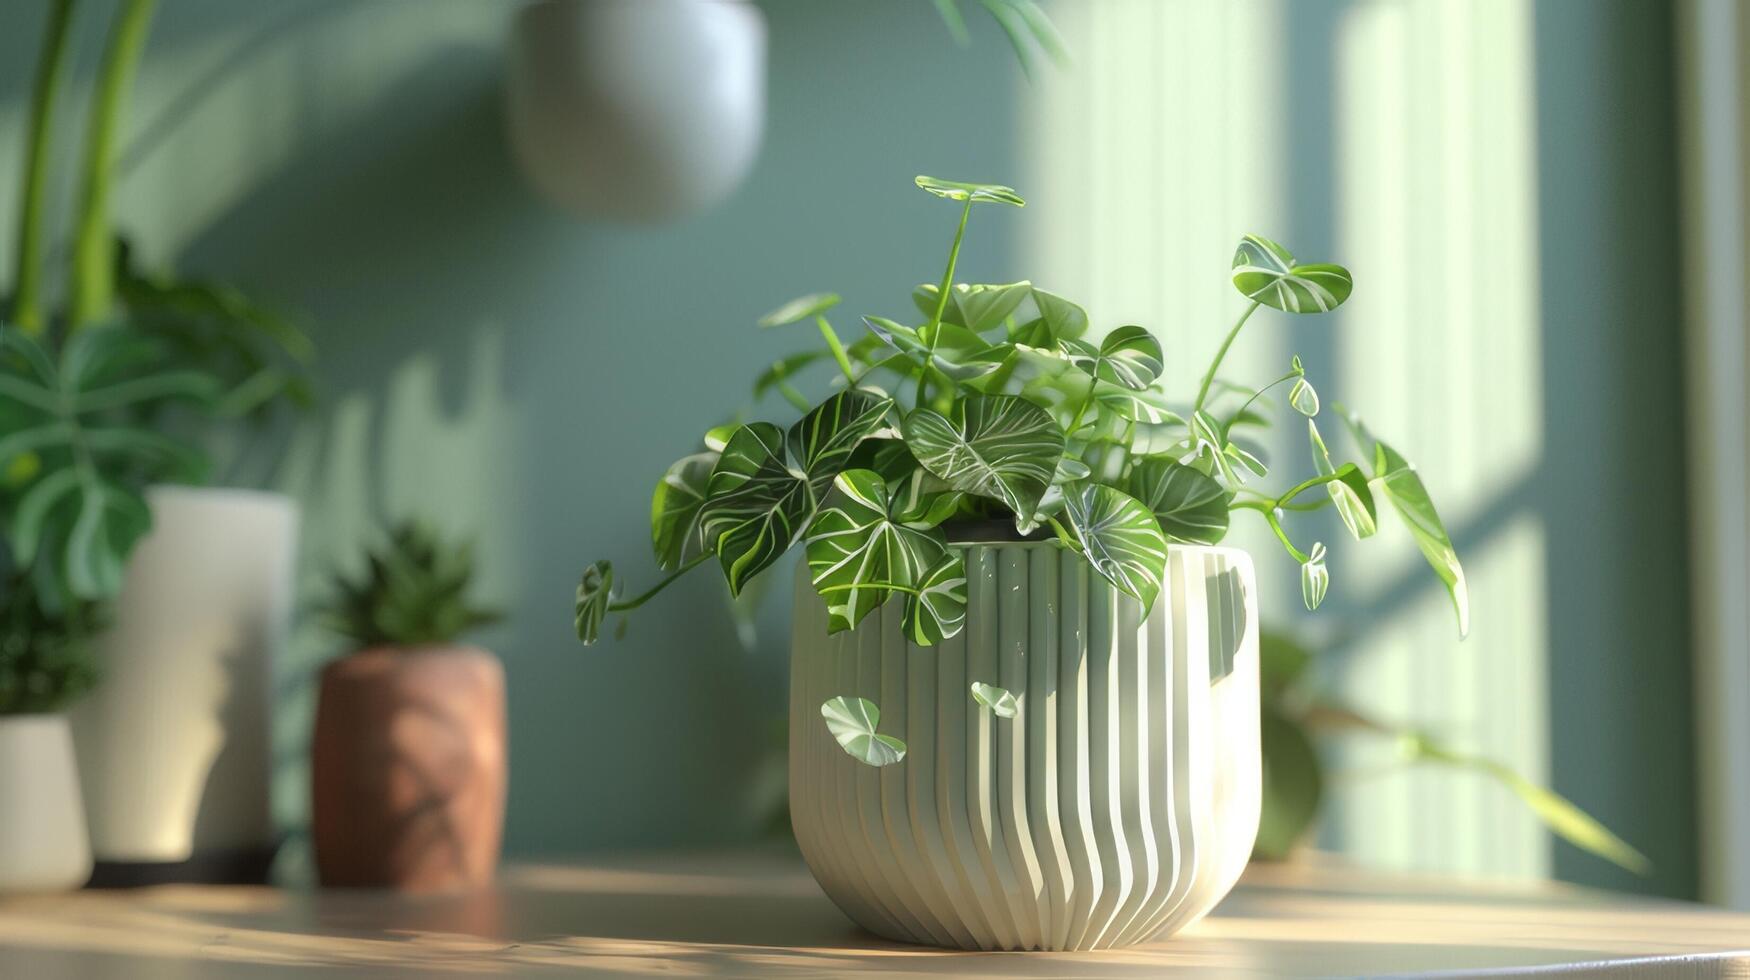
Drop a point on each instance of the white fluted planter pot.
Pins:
(1120, 802)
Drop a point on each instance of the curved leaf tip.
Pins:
(594, 592)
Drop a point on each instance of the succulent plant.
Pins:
(45, 659)
(414, 593)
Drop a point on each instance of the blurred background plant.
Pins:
(45, 660)
(1297, 713)
(92, 375)
(414, 593)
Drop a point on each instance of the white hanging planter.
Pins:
(175, 740)
(1121, 801)
(43, 846)
(636, 110)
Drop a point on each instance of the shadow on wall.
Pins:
(525, 378)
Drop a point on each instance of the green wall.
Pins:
(526, 376)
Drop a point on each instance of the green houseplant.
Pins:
(1011, 536)
(408, 754)
(1298, 713)
(110, 377)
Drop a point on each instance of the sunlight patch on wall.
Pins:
(1177, 130)
(1437, 214)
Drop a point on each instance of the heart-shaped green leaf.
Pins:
(1396, 478)
(922, 500)
(937, 610)
(1062, 319)
(1129, 357)
(955, 190)
(756, 506)
(858, 553)
(594, 592)
(959, 353)
(996, 446)
(822, 442)
(1120, 539)
(799, 309)
(1189, 506)
(977, 307)
(1148, 406)
(1266, 272)
(1000, 702)
(675, 529)
(852, 721)
(1350, 492)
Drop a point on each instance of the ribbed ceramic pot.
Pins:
(1119, 803)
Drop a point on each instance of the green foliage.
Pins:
(414, 593)
(852, 721)
(1294, 711)
(45, 656)
(1023, 21)
(80, 423)
(993, 408)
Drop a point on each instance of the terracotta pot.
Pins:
(408, 769)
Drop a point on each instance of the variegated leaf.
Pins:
(955, 190)
(852, 722)
(594, 592)
(936, 611)
(1266, 272)
(1350, 492)
(1396, 478)
(1189, 506)
(858, 553)
(1303, 397)
(1315, 578)
(978, 307)
(675, 528)
(1129, 357)
(1120, 539)
(999, 700)
(822, 442)
(996, 446)
(756, 506)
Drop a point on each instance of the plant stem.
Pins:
(1290, 376)
(93, 286)
(1209, 377)
(27, 285)
(627, 605)
(942, 293)
(831, 337)
(1282, 536)
(1305, 485)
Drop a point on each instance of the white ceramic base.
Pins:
(1120, 803)
(175, 740)
(43, 846)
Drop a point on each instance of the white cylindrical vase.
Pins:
(174, 742)
(1119, 804)
(43, 845)
(636, 110)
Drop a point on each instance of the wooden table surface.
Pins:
(760, 915)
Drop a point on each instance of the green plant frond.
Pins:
(415, 592)
(999, 408)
